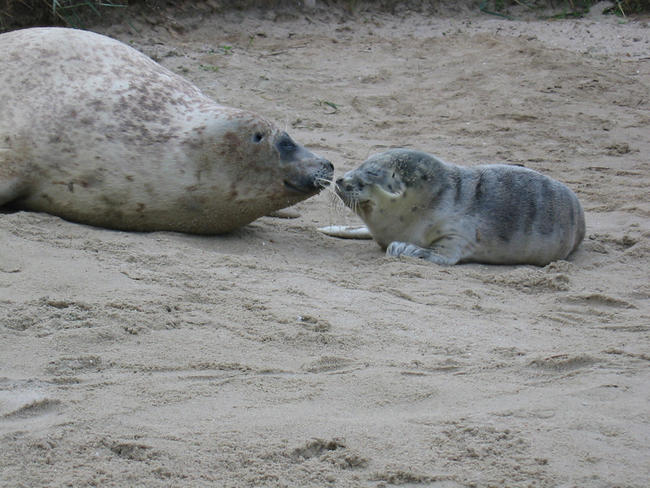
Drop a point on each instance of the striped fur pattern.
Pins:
(416, 205)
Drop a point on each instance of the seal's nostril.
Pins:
(339, 181)
(330, 166)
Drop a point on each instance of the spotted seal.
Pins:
(414, 204)
(95, 132)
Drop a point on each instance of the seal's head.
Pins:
(245, 162)
(389, 189)
(304, 173)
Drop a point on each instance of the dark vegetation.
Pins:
(16, 14)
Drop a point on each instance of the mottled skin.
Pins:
(96, 132)
(416, 205)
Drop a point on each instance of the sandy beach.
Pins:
(277, 356)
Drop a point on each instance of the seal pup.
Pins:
(414, 204)
(95, 132)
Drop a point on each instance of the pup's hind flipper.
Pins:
(346, 232)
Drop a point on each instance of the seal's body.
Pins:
(416, 205)
(96, 132)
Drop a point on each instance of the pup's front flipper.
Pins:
(445, 254)
(346, 232)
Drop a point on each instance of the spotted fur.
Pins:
(95, 132)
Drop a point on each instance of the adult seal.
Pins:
(414, 204)
(95, 132)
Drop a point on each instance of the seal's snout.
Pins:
(348, 185)
(324, 176)
(329, 166)
(318, 176)
(341, 187)
(349, 189)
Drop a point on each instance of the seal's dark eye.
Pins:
(258, 137)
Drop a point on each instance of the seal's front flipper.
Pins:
(446, 255)
(10, 189)
(12, 183)
(285, 213)
(346, 232)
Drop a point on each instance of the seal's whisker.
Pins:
(336, 205)
(323, 182)
(355, 206)
(326, 185)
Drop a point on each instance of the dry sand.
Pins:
(277, 356)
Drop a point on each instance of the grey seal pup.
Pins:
(95, 132)
(414, 204)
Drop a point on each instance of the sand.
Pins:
(279, 357)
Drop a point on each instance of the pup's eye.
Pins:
(258, 137)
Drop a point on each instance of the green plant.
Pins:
(70, 11)
(627, 7)
(331, 105)
(206, 67)
(25, 13)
